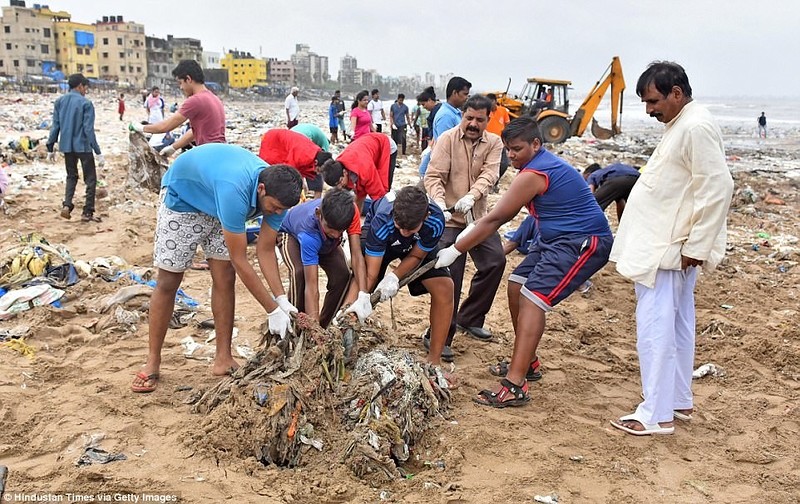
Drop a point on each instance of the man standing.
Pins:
(674, 222)
(202, 108)
(447, 116)
(398, 121)
(340, 107)
(375, 108)
(463, 169)
(292, 107)
(208, 194)
(154, 104)
(762, 126)
(497, 123)
(73, 121)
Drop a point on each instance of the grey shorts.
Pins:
(179, 233)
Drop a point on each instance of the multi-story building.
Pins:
(348, 74)
(27, 44)
(159, 63)
(211, 60)
(280, 72)
(309, 67)
(244, 70)
(123, 57)
(185, 49)
(75, 48)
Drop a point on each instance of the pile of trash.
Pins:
(300, 397)
(145, 165)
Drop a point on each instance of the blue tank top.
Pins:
(567, 206)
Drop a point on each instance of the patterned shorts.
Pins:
(179, 233)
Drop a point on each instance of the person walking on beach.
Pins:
(333, 120)
(207, 196)
(73, 129)
(674, 222)
(154, 103)
(121, 106)
(292, 107)
(375, 108)
(762, 126)
(398, 121)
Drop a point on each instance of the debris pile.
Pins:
(145, 165)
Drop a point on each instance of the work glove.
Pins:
(446, 257)
(465, 204)
(51, 157)
(362, 306)
(443, 206)
(167, 151)
(285, 305)
(101, 160)
(136, 127)
(394, 126)
(389, 286)
(279, 322)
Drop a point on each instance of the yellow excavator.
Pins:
(548, 101)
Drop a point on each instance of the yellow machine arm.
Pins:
(612, 77)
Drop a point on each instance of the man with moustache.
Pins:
(464, 167)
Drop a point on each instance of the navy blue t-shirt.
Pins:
(381, 234)
(599, 177)
(304, 225)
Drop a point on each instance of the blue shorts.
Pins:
(553, 270)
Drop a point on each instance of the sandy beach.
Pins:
(741, 445)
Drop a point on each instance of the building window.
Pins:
(104, 69)
(90, 68)
(46, 32)
(138, 69)
(119, 41)
(122, 55)
(80, 67)
(27, 30)
(16, 63)
(8, 47)
(79, 50)
(122, 68)
(105, 41)
(7, 29)
(1, 63)
(31, 63)
(88, 52)
(130, 69)
(45, 49)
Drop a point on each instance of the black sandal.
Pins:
(519, 396)
(501, 369)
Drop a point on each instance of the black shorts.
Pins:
(415, 288)
(334, 129)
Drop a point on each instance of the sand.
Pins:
(741, 446)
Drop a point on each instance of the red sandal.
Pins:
(510, 395)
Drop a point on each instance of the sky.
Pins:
(728, 47)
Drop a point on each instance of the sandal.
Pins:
(90, 218)
(518, 396)
(533, 374)
(152, 379)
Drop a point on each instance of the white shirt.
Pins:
(375, 107)
(679, 205)
(292, 106)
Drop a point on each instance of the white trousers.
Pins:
(665, 331)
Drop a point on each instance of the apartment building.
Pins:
(122, 51)
(27, 44)
(244, 70)
(75, 48)
(280, 72)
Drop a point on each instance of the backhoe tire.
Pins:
(554, 129)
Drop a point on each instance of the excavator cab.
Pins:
(546, 94)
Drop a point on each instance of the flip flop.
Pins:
(649, 429)
(683, 417)
(143, 389)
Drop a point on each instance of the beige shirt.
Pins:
(459, 166)
(679, 205)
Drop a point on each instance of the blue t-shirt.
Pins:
(567, 205)
(598, 178)
(399, 113)
(305, 226)
(333, 120)
(219, 180)
(382, 234)
(448, 117)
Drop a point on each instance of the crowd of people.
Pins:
(672, 216)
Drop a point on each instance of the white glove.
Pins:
(167, 151)
(465, 204)
(389, 286)
(285, 305)
(101, 160)
(362, 306)
(447, 215)
(279, 322)
(394, 126)
(136, 127)
(446, 257)
(51, 157)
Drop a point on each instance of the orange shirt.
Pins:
(498, 120)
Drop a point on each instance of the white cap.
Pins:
(295, 88)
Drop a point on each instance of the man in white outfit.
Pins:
(674, 222)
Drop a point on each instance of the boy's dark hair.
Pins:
(338, 208)
(591, 169)
(491, 96)
(479, 102)
(189, 68)
(456, 84)
(283, 183)
(410, 207)
(322, 156)
(374, 92)
(664, 75)
(332, 172)
(401, 95)
(76, 80)
(334, 98)
(525, 128)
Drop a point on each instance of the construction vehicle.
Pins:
(548, 101)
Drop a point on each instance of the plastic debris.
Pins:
(708, 369)
(546, 499)
(95, 455)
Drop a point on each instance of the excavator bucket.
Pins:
(600, 132)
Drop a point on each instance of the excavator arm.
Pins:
(612, 77)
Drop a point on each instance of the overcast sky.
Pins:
(728, 47)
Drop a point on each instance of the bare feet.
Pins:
(223, 366)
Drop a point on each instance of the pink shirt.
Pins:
(363, 121)
(207, 117)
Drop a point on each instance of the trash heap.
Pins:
(145, 165)
(299, 398)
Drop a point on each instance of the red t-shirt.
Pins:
(206, 116)
(368, 158)
(280, 146)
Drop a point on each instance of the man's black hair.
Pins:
(591, 169)
(374, 91)
(525, 128)
(322, 156)
(410, 207)
(664, 75)
(189, 68)
(338, 91)
(456, 84)
(401, 95)
(283, 183)
(338, 208)
(76, 80)
(479, 102)
(332, 172)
